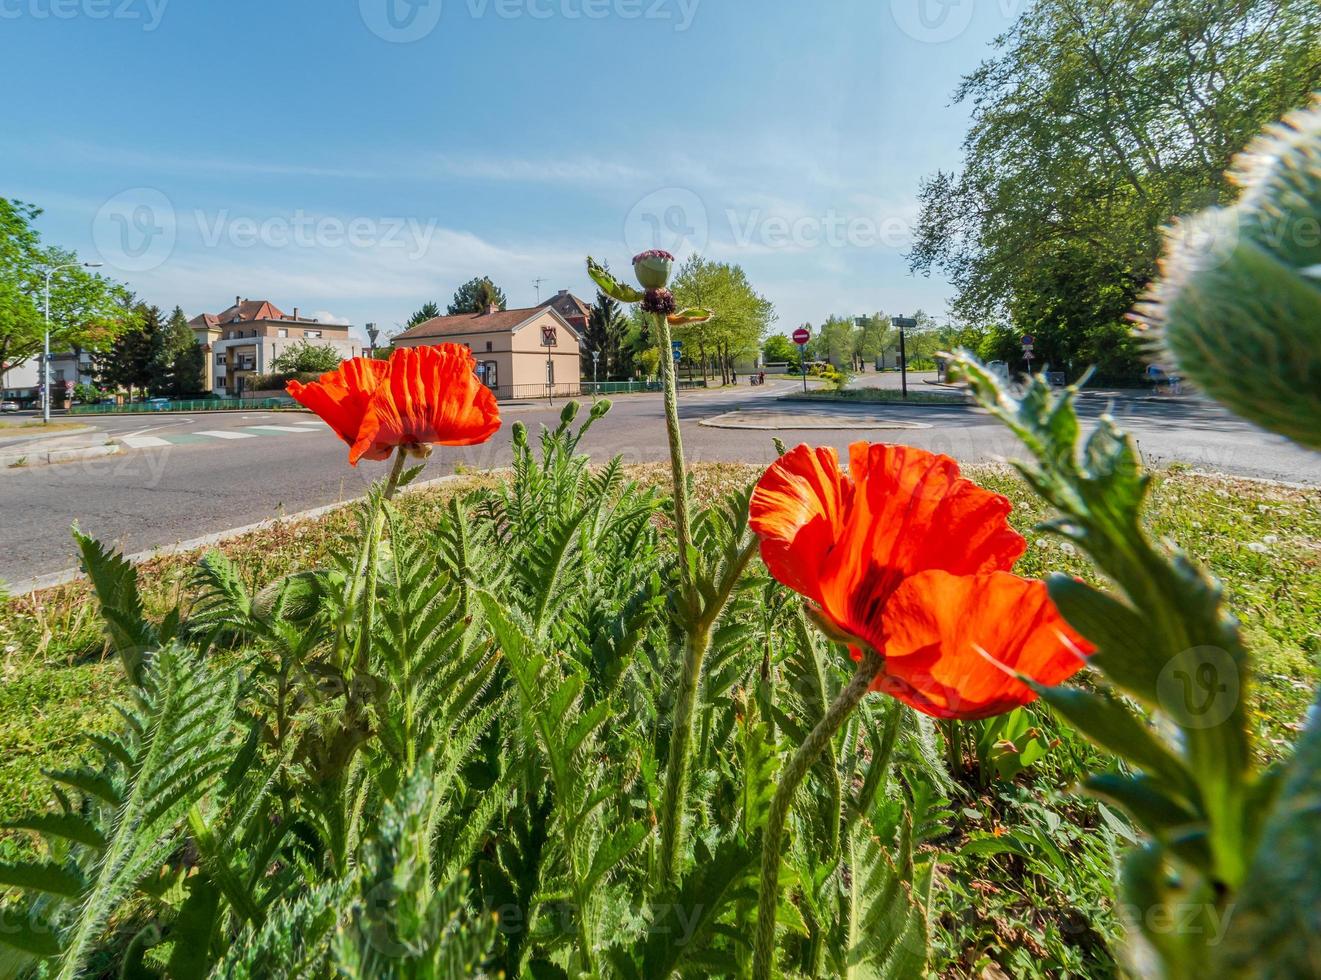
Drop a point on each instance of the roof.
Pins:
(567, 304)
(247, 311)
(501, 321)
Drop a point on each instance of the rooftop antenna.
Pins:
(537, 283)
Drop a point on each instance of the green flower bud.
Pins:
(519, 433)
(653, 268)
(1238, 306)
(569, 412)
(599, 408)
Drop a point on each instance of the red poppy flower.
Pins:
(421, 396)
(908, 557)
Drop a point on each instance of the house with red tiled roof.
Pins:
(244, 340)
(520, 353)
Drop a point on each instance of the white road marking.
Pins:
(144, 442)
(278, 428)
(311, 422)
(225, 434)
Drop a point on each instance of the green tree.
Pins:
(742, 315)
(427, 312)
(127, 362)
(1093, 125)
(779, 348)
(475, 295)
(607, 328)
(87, 311)
(306, 358)
(177, 359)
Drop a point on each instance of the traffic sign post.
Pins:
(550, 338)
(1028, 343)
(801, 336)
(903, 322)
(676, 349)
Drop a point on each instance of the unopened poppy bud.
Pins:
(658, 301)
(569, 412)
(653, 268)
(599, 408)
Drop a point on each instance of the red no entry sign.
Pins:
(802, 335)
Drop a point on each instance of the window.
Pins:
(220, 359)
(488, 345)
(312, 333)
(487, 373)
(282, 332)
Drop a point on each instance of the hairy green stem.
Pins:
(682, 522)
(673, 803)
(373, 546)
(768, 898)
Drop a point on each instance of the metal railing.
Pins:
(586, 389)
(194, 405)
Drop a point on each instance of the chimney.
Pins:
(563, 292)
(237, 300)
(492, 308)
(295, 313)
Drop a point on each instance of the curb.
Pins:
(48, 435)
(53, 579)
(21, 461)
(851, 403)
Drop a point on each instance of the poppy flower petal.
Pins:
(947, 636)
(432, 395)
(341, 397)
(798, 509)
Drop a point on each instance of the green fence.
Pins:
(197, 405)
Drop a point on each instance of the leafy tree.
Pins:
(304, 357)
(177, 360)
(1094, 124)
(86, 310)
(741, 318)
(837, 341)
(128, 362)
(475, 295)
(779, 348)
(428, 311)
(607, 328)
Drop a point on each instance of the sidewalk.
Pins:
(41, 449)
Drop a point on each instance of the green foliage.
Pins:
(740, 321)
(306, 357)
(1165, 643)
(475, 295)
(428, 311)
(1092, 126)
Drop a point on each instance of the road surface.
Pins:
(192, 475)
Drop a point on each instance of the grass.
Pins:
(31, 427)
(883, 396)
(1033, 911)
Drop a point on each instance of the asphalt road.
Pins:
(204, 473)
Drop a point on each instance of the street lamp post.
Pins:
(596, 356)
(45, 354)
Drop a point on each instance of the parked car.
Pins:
(8, 406)
(158, 404)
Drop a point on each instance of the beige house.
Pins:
(520, 353)
(244, 340)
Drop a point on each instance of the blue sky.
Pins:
(355, 158)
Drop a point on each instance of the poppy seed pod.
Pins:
(653, 268)
(1238, 305)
